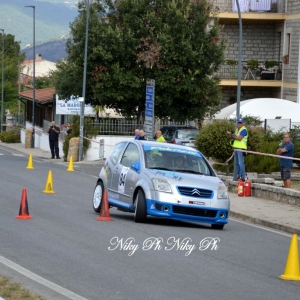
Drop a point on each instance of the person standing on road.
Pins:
(286, 165)
(159, 137)
(240, 137)
(54, 132)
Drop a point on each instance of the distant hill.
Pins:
(52, 19)
(52, 51)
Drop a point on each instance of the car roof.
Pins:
(168, 145)
(158, 144)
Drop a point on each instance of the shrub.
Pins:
(263, 164)
(297, 152)
(11, 136)
(214, 142)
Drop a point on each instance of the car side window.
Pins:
(115, 154)
(130, 156)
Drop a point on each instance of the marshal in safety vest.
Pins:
(242, 144)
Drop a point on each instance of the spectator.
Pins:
(239, 141)
(159, 137)
(142, 135)
(137, 134)
(54, 132)
(69, 129)
(286, 165)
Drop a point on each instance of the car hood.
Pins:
(186, 179)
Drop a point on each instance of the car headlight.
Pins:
(161, 185)
(222, 192)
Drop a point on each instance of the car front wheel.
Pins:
(98, 196)
(140, 214)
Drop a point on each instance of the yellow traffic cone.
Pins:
(30, 163)
(292, 264)
(49, 184)
(70, 167)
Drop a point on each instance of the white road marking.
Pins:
(262, 227)
(40, 279)
(15, 154)
(1, 154)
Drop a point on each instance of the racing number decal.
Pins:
(122, 179)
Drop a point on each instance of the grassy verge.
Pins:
(14, 291)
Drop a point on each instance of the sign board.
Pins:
(276, 125)
(149, 109)
(71, 106)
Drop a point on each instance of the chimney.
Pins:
(38, 56)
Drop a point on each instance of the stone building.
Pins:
(270, 49)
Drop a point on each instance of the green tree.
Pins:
(175, 42)
(12, 58)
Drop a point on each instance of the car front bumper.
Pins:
(183, 212)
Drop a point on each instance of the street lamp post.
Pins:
(238, 95)
(2, 93)
(33, 91)
(82, 104)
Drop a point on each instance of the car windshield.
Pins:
(189, 134)
(175, 159)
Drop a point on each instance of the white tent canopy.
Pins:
(264, 108)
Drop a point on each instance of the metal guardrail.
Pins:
(125, 126)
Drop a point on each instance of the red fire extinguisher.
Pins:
(240, 188)
(247, 188)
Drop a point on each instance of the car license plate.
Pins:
(196, 202)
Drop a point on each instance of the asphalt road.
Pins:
(65, 253)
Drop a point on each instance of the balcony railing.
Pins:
(268, 6)
(230, 71)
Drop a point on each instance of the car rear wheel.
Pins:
(98, 196)
(140, 214)
(217, 226)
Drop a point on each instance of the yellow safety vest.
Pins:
(242, 144)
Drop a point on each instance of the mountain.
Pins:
(52, 51)
(52, 19)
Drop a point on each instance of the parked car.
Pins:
(182, 135)
(162, 180)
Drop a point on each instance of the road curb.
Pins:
(257, 221)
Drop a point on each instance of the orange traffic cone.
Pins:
(70, 167)
(104, 210)
(49, 185)
(30, 163)
(24, 212)
(292, 264)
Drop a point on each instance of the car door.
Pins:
(112, 163)
(125, 178)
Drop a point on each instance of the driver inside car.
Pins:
(179, 162)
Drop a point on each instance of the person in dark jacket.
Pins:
(142, 135)
(54, 132)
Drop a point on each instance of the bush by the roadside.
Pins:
(297, 152)
(11, 136)
(214, 142)
(263, 164)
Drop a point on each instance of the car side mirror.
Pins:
(136, 167)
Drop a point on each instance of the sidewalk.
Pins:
(269, 213)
